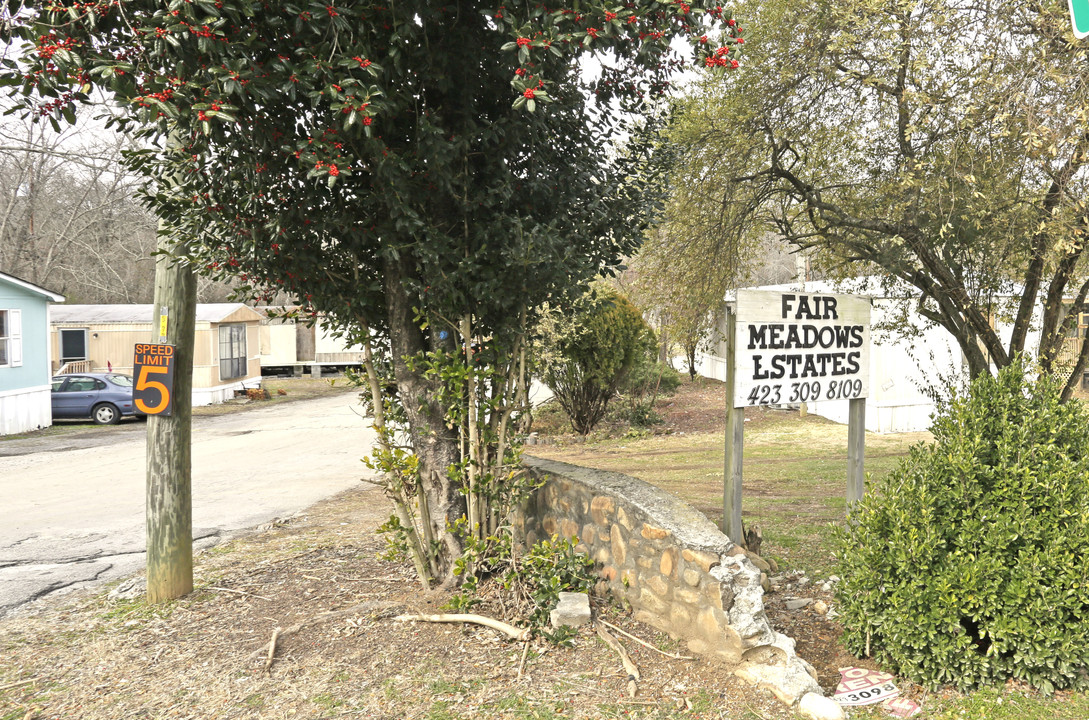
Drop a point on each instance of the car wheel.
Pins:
(105, 414)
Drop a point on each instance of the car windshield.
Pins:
(122, 380)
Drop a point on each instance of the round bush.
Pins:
(968, 565)
(591, 353)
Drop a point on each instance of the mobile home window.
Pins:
(232, 351)
(11, 338)
(73, 345)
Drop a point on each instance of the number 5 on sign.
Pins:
(153, 366)
(143, 382)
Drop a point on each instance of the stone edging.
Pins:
(675, 569)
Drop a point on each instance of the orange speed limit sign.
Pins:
(153, 368)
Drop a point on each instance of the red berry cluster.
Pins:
(48, 45)
(162, 96)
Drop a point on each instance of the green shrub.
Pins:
(547, 569)
(589, 354)
(535, 578)
(969, 564)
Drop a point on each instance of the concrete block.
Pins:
(573, 610)
(790, 682)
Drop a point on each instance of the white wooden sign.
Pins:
(800, 347)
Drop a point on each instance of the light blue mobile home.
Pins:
(24, 355)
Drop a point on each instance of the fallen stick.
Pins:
(629, 666)
(271, 650)
(510, 631)
(12, 686)
(363, 607)
(525, 654)
(237, 592)
(644, 643)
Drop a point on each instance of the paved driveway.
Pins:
(72, 506)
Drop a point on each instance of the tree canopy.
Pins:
(424, 173)
(940, 145)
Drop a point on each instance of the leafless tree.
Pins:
(71, 217)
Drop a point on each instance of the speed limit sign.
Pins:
(153, 371)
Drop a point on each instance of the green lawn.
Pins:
(795, 476)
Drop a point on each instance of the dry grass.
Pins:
(203, 656)
(795, 468)
(89, 658)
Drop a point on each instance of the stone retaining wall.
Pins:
(675, 569)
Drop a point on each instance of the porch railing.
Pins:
(74, 366)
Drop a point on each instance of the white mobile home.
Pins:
(288, 342)
(905, 358)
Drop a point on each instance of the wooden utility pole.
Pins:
(169, 488)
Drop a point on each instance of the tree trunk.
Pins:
(169, 491)
(690, 356)
(435, 444)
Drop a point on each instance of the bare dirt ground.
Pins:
(340, 653)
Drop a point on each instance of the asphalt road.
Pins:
(72, 506)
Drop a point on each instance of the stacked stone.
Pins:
(671, 565)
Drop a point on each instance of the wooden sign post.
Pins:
(856, 452)
(793, 348)
(735, 440)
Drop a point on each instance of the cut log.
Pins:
(754, 538)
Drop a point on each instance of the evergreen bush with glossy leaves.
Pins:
(968, 565)
(589, 354)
